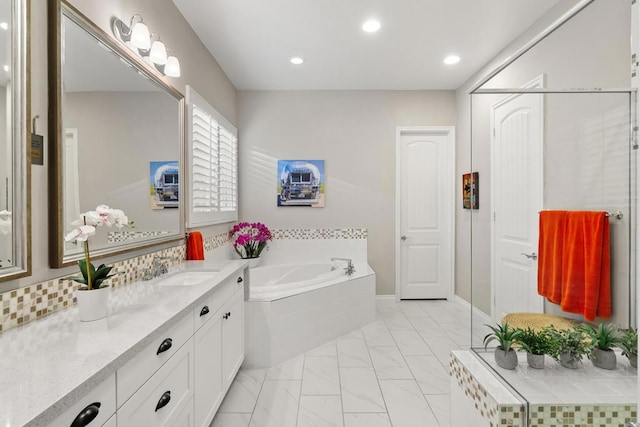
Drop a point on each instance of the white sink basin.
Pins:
(188, 278)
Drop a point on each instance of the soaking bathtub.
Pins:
(292, 308)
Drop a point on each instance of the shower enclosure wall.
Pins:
(539, 144)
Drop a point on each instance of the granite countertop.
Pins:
(49, 364)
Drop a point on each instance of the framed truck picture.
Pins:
(301, 183)
(164, 184)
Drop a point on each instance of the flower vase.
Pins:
(92, 304)
(254, 262)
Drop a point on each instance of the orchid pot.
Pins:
(92, 295)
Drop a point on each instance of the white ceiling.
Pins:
(254, 39)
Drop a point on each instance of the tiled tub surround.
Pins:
(289, 325)
(285, 327)
(556, 396)
(48, 365)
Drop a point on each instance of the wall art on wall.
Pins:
(301, 183)
(470, 192)
(164, 184)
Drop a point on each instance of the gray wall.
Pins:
(355, 133)
(591, 50)
(199, 68)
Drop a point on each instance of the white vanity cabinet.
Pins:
(161, 399)
(93, 410)
(219, 344)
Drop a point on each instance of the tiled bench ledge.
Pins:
(481, 399)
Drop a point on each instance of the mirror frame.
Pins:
(20, 132)
(56, 10)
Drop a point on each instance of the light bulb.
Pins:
(371, 26)
(140, 37)
(172, 67)
(296, 60)
(158, 53)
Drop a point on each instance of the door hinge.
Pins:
(494, 217)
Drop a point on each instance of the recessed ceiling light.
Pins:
(371, 26)
(296, 60)
(452, 59)
(4, 25)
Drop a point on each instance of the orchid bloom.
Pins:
(81, 233)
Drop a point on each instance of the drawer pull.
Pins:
(166, 345)
(164, 400)
(205, 310)
(239, 279)
(87, 415)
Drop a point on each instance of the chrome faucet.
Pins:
(350, 268)
(157, 269)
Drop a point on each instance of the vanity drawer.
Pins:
(137, 370)
(94, 409)
(162, 399)
(213, 302)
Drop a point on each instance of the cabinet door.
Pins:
(232, 338)
(209, 387)
(185, 419)
(112, 422)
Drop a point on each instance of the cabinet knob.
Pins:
(164, 400)
(166, 345)
(239, 279)
(87, 415)
(205, 310)
(227, 315)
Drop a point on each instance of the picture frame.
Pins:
(470, 191)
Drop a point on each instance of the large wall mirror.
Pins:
(117, 130)
(15, 260)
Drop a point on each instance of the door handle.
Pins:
(532, 255)
(403, 237)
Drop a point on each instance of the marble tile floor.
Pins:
(390, 373)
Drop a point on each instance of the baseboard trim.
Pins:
(486, 319)
(386, 297)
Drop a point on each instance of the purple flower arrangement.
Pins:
(249, 239)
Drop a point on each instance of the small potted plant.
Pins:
(629, 345)
(92, 295)
(504, 354)
(249, 240)
(537, 344)
(573, 345)
(603, 339)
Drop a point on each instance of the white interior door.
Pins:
(516, 166)
(425, 181)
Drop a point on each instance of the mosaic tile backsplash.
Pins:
(32, 302)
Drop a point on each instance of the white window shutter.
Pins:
(213, 165)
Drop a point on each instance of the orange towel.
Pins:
(586, 287)
(550, 250)
(195, 247)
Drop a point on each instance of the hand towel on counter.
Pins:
(550, 251)
(586, 287)
(195, 246)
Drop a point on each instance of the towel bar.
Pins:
(617, 214)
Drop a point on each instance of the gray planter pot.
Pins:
(535, 361)
(633, 361)
(605, 359)
(508, 360)
(569, 361)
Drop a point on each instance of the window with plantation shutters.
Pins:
(213, 161)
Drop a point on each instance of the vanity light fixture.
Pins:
(296, 60)
(148, 46)
(4, 25)
(172, 67)
(6, 68)
(140, 37)
(158, 51)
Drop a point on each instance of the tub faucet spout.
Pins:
(350, 268)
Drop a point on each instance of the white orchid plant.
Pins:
(86, 225)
